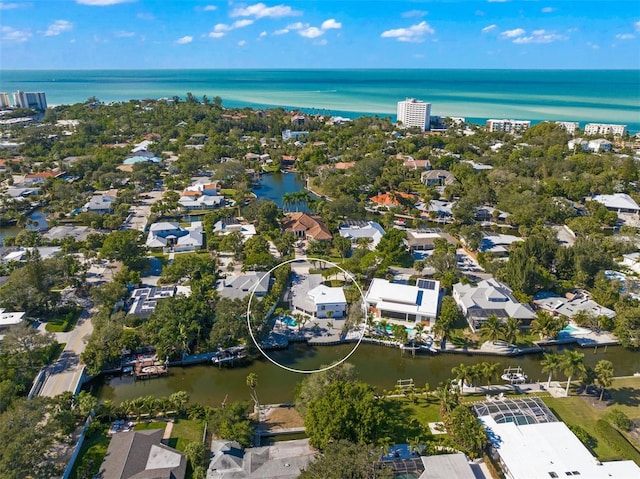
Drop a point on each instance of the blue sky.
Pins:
(76, 34)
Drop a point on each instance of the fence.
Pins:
(76, 450)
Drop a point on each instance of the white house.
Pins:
(402, 303)
(599, 145)
(354, 230)
(618, 202)
(10, 319)
(329, 302)
(169, 235)
(530, 445)
(241, 285)
(232, 225)
(571, 305)
(100, 203)
(489, 297)
(632, 261)
(497, 244)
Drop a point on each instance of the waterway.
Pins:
(377, 365)
(38, 222)
(274, 185)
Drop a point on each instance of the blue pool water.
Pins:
(288, 320)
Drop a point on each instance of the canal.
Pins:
(274, 185)
(376, 365)
(38, 222)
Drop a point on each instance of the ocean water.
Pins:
(611, 96)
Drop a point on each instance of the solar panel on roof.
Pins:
(426, 284)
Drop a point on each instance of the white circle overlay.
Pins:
(306, 371)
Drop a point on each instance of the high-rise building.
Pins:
(604, 129)
(34, 100)
(4, 100)
(412, 112)
(508, 126)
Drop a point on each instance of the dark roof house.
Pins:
(141, 455)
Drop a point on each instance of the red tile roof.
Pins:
(311, 225)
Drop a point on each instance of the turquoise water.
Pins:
(289, 321)
(574, 95)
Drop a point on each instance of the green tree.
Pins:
(467, 432)
(462, 374)
(312, 386)
(572, 364)
(511, 330)
(252, 384)
(449, 315)
(344, 410)
(342, 459)
(604, 375)
(492, 329)
(123, 246)
(342, 245)
(551, 363)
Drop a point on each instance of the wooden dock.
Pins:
(149, 368)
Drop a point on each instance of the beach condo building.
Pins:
(604, 129)
(34, 100)
(569, 126)
(4, 100)
(508, 126)
(412, 112)
(402, 303)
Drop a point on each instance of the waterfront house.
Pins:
(285, 460)
(305, 226)
(169, 235)
(141, 454)
(528, 441)
(144, 300)
(403, 303)
(570, 305)
(392, 199)
(227, 226)
(497, 244)
(490, 297)
(309, 295)
(42, 176)
(424, 240)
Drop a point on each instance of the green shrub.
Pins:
(616, 441)
(620, 420)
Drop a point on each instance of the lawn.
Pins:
(577, 411)
(92, 452)
(410, 418)
(63, 322)
(144, 426)
(185, 431)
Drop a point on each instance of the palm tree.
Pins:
(400, 333)
(252, 383)
(462, 374)
(492, 329)
(550, 364)
(512, 330)
(490, 371)
(419, 331)
(448, 398)
(572, 363)
(604, 375)
(363, 243)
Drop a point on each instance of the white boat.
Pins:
(514, 375)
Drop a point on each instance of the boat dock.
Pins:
(149, 368)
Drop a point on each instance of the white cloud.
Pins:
(102, 3)
(184, 40)
(58, 27)
(311, 32)
(413, 34)
(262, 34)
(516, 32)
(330, 24)
(242, 43)
(123, 34)
(593, 45)
(321, 42)
(146, 16)
(540, 36)
(637, 26)
(297, 26)
(241, 23)
(216, 34)
(260, 10)
(548, 10)
(210, 8)
(221, 27)
(625, 36)
(415, 13)
(282, 31)
(488, 28)
(10, 6)
(10, 34)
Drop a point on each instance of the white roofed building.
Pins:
(402, 303)
(10, 319)
(604, 129)
(570, 126)
(167, 234)
(618, 202)
(508, 126)
(241, 285)
(354, 230)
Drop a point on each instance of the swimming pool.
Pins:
(570, 330)
(288, 321)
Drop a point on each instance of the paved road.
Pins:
(66, 373)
